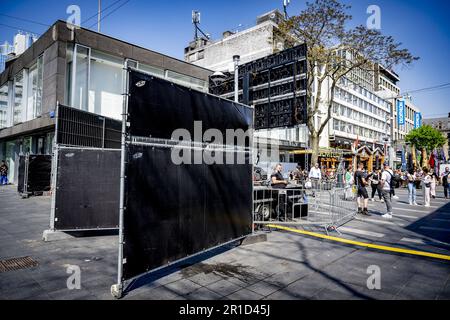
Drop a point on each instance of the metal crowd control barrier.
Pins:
(326, 205)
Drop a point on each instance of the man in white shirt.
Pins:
(315, 175)
(386, 178)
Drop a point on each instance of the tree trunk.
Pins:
(315, 149)
(414, 159)
(424, 158)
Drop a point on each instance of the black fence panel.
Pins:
(34, 173)
(158, 107)
(87, 189)
(174, 211)
(21, 174)
(85, 129)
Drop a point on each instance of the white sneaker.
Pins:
(382, 200)
(372, 199)
(427, 205)
(387, 215)
(410, 203)
(395, 197)
(415, 203)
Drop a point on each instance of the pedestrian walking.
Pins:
(395, 178)
(362, 196)
(348, 184)
(3, 173)
(433, 184)
(386, 185)
(412, 190)
(444, 180)
(374, 182)
(315, 175)
(427, 186)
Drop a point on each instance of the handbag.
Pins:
(308, 184)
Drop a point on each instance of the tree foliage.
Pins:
(425, 137)
(323, 27)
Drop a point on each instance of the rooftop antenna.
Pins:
(285, 5)
(196, 22)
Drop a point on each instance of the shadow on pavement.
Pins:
(438, 229)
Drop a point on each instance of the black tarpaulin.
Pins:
(158, 107)
(174, 211)
(87, 194)
(34, 173)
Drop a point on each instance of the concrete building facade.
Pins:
(79, 68)
(250, 44)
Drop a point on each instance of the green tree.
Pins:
(334, 51)
(426, 138)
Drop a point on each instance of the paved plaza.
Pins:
(287, 266)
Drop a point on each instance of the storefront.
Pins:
(378, 159)
(363, 155)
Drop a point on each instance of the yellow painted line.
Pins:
(364, 244)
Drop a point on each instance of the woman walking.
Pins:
(427, 186)
(412, 192)
(433, 184)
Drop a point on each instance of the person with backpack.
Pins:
(386, 184)
(444, 179)
(3, 173)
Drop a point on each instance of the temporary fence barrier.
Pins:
(325, 205)
(86, 193)
(85, 171)
(169, 211)
(34, 174)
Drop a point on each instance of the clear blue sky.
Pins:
(165, 26)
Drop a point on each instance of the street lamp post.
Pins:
(236, 77)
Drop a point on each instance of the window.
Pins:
(152, 70)
(34, 88)
(4, 106)
(186, 80)
(80, 77)
(105, 85)
(18, 108)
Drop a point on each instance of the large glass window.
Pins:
(18, 107)
(105, 87)
(80, 78)
(152, 70)
(34, 88)
(186, 80)
(4, 106)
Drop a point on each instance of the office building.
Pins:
(82, 69)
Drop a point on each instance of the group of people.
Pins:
(383, 183)
(3, 173)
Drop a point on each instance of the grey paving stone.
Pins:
(264, 288)
(203, 294)
(223, 287)
(160, 293)
(245, 294)
(183, 287)
(204, 279)
(285, 294)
